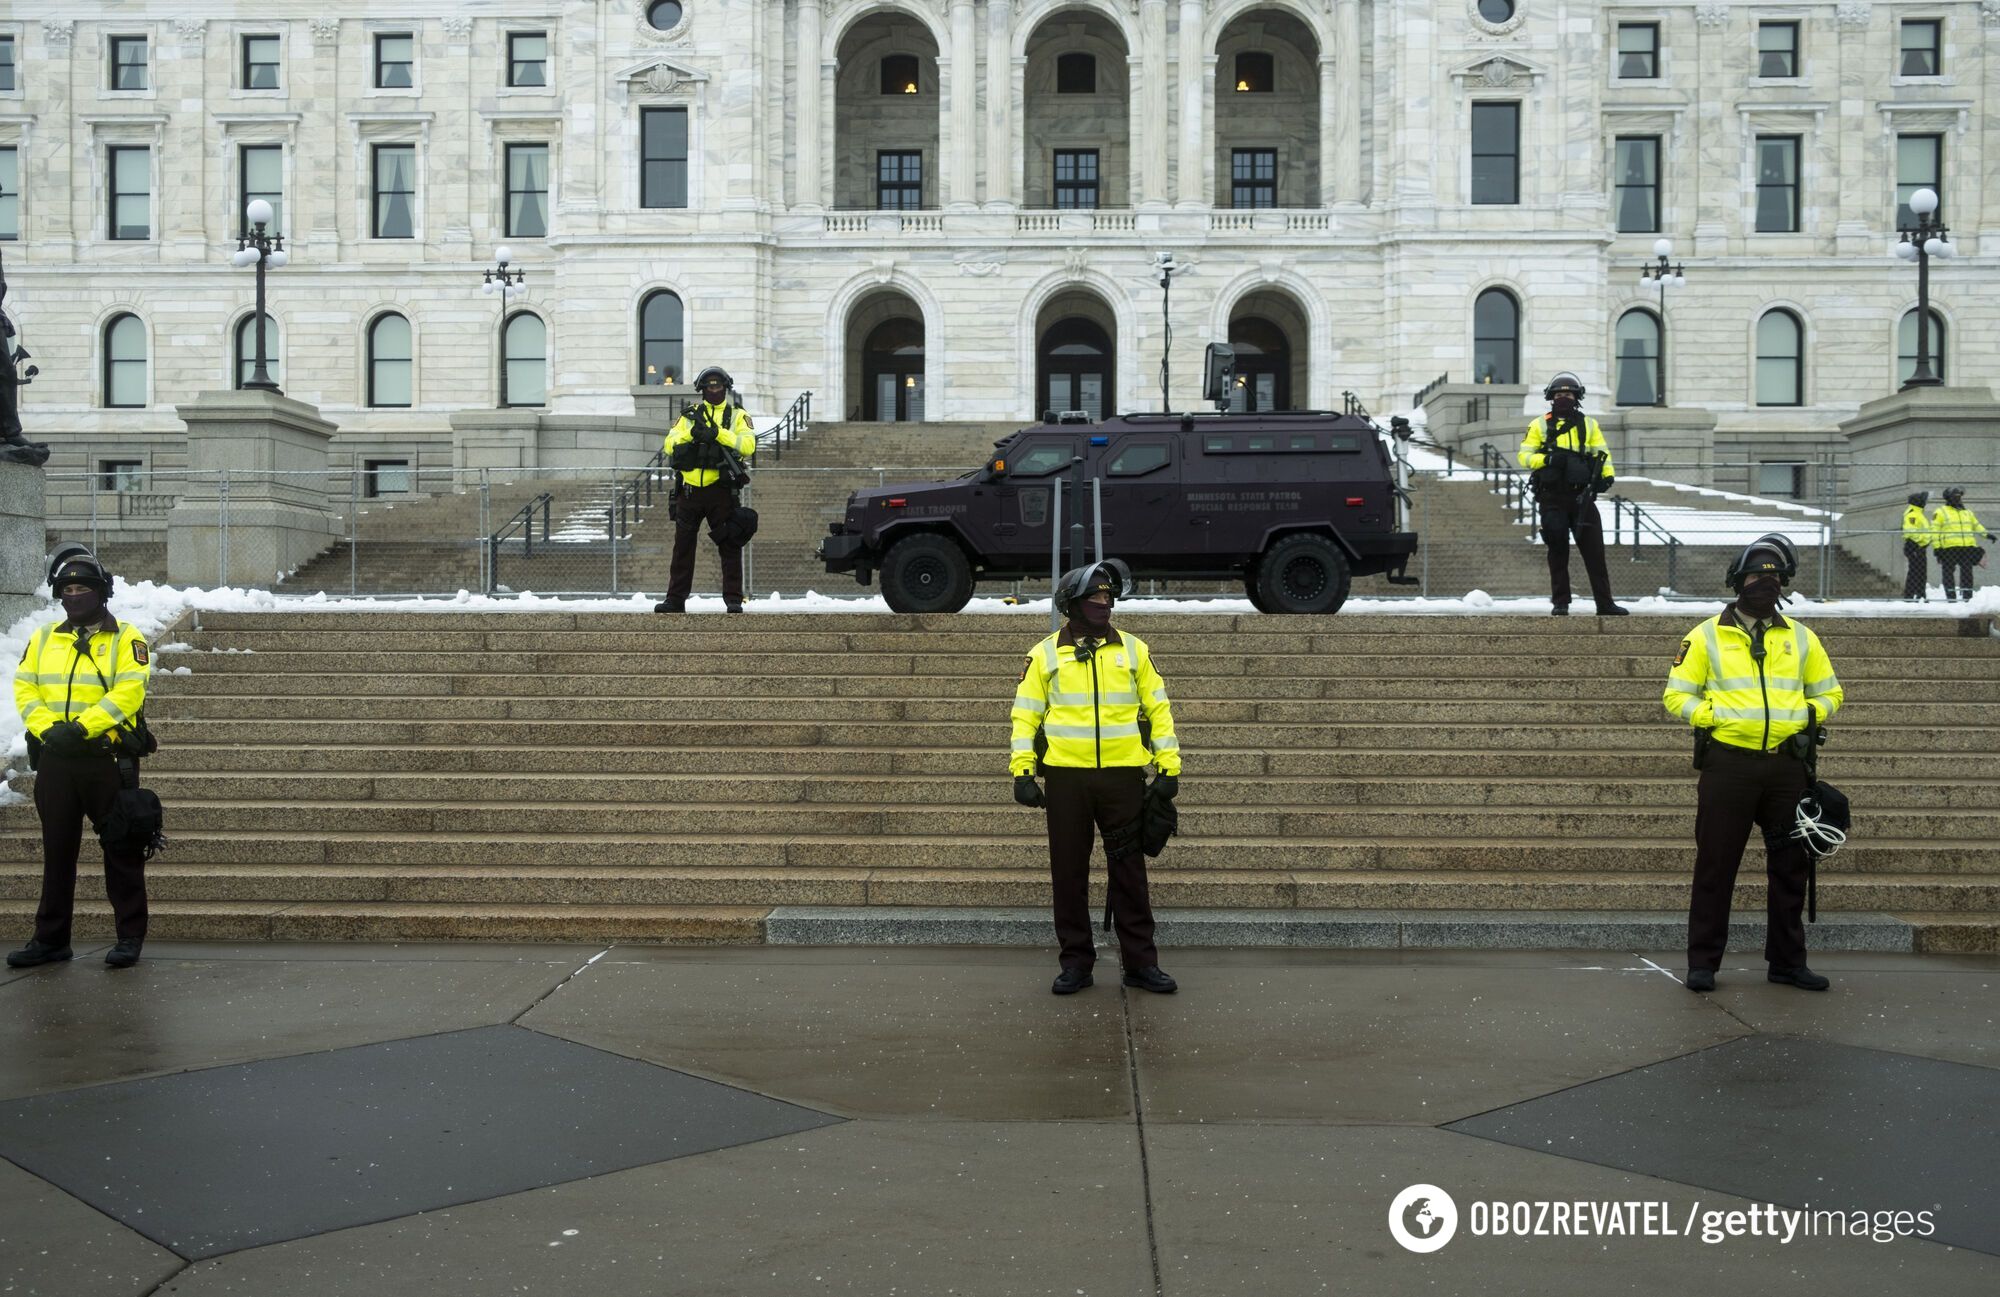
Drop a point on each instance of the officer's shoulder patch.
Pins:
(139, 652)
(1681, 656)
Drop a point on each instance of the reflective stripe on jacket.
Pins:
(1916, 527)
(56, 683)
(1531, 455)
(1089, 711)
(1955, 528)
(737, 437)
(1717, 684)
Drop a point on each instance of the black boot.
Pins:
(1802, 977)
(1071, 980)
(1701, 979)
(1151, 978)
(124, 954)
(36, 953)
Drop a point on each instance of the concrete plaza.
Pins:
(481, 1119)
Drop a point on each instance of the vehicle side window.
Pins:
(1345, 441)
(1218, 445)
(1041, 458)
(1301, 441)
(1136, 458)
(1263, 443)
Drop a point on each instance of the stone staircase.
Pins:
(550, 776)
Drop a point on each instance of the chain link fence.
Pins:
(425, 531)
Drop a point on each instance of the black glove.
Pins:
(66, 739)
(1028, 792)
(1604, 483)
(1169, 785)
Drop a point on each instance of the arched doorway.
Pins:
(885, 125)
(1076, 114)
(1272, 339)
(892, 373)
(1075, 362)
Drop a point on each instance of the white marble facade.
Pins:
(1370, 264)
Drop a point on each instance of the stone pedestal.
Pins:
(1673, 442)
(24, 547)
(257, 503)
(528, 440)
(1918, 439)
(662, 402)
(1462, 413)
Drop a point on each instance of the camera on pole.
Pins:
(1218, 365)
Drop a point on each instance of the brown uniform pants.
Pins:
(1740, 788)
(697, 505)
(1581, 517)
(1082, 803)
(66, 790)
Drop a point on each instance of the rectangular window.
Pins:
(132, 193)
(395, 62)
(263, 177)
(527, 58)
(1638, 51)
(663, 179)
(121, 475)
(1076, 178)
(1253, 177)
(1496, 153)
(1921, 56)
(528, 190)
(1785, 481)
(10, 194)
(1777, 49)
(8, 80)
(1256, 73)
(1777, 184)
(1919, 165)
(387, 477)
(1637, 168)
(260, 62)
(395, 191)
(128, 62)
(899, 181)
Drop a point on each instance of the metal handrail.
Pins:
(524, 521)
(1432, 386)
(789, 426)
(1643, 522)
(1510, 482)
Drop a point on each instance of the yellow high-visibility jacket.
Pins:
(1955, 528)
(1532, 456)
(1718, 685)
(1916, 527)
(1089, 711)
(56, 682)
(737, 436)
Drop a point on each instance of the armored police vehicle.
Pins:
(1292, 504)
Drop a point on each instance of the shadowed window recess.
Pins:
(1496, 153)
(663, 163)
(662, 333)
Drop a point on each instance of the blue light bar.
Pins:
(1100, 441)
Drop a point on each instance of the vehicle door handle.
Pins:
(1198, 521)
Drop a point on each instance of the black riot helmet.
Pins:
(1079, 583)
(1768, 553)
(1920, 498)
(74, 564)
(701, 380)
(1955, 496)
(1561, 381)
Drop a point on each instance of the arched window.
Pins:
(1906, 346)
(125, 362)
(1781, 370)
(389, 367)
(662, 330)
(1076, 74)
(1636, 366)
(1263, 366)
(899, 74)
(1496, 337)
(246, 349)
(526, 380)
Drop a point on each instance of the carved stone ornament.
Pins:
(58, 31)
(326, 31)
(191, 30)
(681, 33)
(1483, 29)
(1989, 12)
(1497, 73)
(457, 26)
(980, 265)
(1076, 261)
(659, 76)
(1856, 13)
(1711, 13)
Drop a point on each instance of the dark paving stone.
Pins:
(1801, 1123)
(213, 1161)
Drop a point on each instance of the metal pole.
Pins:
(1055, 550)
(222, 512)
(1097, 513)
(1425, 588)
(749, 556)
(486, 530)
(353, 530)
(1076, 511)
(92, 481)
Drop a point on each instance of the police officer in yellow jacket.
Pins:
(1955, 533)
(710, 447)
(1756, 687)
(1569, 465)
(1916, 548)
(1080, 700)
(79, 689)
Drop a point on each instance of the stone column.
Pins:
(1193, 73)
(590, 125)
(806, 187)
(963, 175)
(322, 155)
(1000, 190)
(1345, 159)
(1151, 143)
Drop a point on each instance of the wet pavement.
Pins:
(471, 1119)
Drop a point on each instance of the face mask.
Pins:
(1097, 616)
(1759, 598)
(84, 607)
(1563, 405)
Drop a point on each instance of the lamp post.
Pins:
(507, 285)
(1662, 275)
(1166, 268)
(1920, 242)
(258, 248)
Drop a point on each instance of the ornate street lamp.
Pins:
(260, 249)
(1926, 239)
(507, 285)
(1661, 275)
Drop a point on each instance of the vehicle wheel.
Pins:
(1303, 572)
(1250, 588)
(926, 573)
